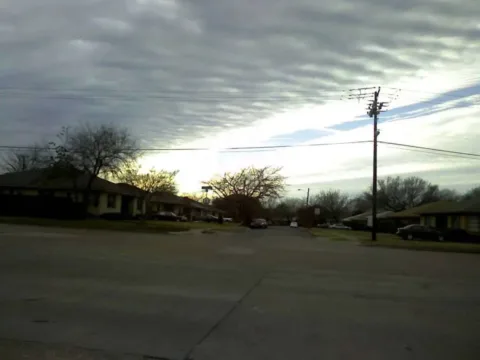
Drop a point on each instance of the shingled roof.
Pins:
(422, 209)
(461, 207)
(169, 198)
(42, 179)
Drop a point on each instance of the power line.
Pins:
(441, 154)
(165, 95)
(231, 149)
(429, 92)
(253, 149)
(429, 148)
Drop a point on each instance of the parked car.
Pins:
(182, 218)
(227, 219)
(422, 232)
(294, 224)
(340, 227)
(166, 215)
(211, 218)
(258, 224)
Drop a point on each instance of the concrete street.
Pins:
(260, 294)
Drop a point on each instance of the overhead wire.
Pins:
(253, 149)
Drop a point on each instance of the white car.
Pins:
(340, 226)
(294, 224)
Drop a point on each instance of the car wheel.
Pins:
(410, 237)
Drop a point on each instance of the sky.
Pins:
(217, 74)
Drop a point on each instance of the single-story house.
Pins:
(458, 215)
(36, 192)
(164, 201)
(365, 217)
(413, 215)
(363, 221)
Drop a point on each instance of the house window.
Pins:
(139, 204)
(111, 200)
(168, 207)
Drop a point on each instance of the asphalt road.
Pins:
(261, 294)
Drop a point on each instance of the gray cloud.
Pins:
(159, 66)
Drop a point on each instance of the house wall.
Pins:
(177, 209)
(453, 222)
(134, 210)
(473, 224)
(25, 192)
(428, 221)
(102, 207)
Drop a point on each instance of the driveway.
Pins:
(261, 294)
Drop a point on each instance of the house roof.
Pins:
(364, 216)
(416, 211)
(132, 189)
(461, 207)
(42, 179)
(169, 198)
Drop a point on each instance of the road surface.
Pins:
(261, 294)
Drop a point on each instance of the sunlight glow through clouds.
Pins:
(229, 73)
(343, 162)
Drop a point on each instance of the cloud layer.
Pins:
(219, 73)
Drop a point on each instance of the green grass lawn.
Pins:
(150, 226)
(393, 241)
(424, 245)
(338, 234)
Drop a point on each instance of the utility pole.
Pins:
(308, 195)
(374, 109)
(23, 162)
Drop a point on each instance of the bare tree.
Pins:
(399, 194)
(242, 192)
(93, 150)
(449, 195)
(473, 193)
(35, 157)
(194, 196)
(256, 183)
(333, 203)
(151, 181)
(288, 208)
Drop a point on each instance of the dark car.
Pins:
(258, 224)
(210, 218)
(166, 215)
(421, 232)
(460, 235)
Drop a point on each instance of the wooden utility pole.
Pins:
(374, 109)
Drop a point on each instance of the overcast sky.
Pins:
(222, 73)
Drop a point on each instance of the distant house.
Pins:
(366, 216)
(460, 215)
(37, 193)
(164, 201)
(364, 220)
(413, 215)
